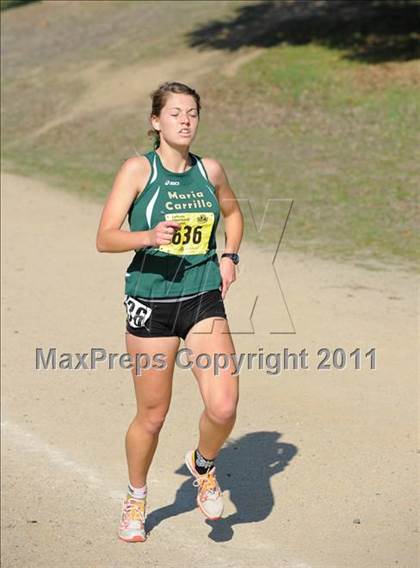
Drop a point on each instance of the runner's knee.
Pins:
(222, 412)
(152, 421)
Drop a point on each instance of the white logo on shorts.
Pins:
(137, 313)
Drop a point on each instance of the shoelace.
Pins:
(206, 482)
(133, 510)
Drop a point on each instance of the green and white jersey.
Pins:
(189, 264)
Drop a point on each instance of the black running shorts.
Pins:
(167, 317)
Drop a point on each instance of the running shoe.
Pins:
(209, 496)
(133, 517)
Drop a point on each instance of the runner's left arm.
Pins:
(232, 217)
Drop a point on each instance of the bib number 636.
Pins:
(190, 233)
(193, 236)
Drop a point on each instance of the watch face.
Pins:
(233, 256)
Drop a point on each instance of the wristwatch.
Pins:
(233, 256)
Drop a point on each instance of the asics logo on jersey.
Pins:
(169, 182)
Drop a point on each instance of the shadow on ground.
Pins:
(7, 4)
(373, 32)
(244, 468)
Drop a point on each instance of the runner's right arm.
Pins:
(129, 182)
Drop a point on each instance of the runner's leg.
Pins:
(153, 388)
(220, 393)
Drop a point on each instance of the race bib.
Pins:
(194, 234)
(137, 312)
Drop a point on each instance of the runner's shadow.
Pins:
(244, 468)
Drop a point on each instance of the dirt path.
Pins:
(320, 468)
(108, 90)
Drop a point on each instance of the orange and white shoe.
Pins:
(133, 517)
(209, 496)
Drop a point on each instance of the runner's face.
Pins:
(178, 120)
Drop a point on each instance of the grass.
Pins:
(308, 129)
(299, 123)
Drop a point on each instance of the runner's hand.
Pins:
(228, 274)
(163, 232)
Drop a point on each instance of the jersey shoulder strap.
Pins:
(200, 166)
(151, 156)
(152, 177)
(204, 174)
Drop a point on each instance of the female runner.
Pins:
(175, 288)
